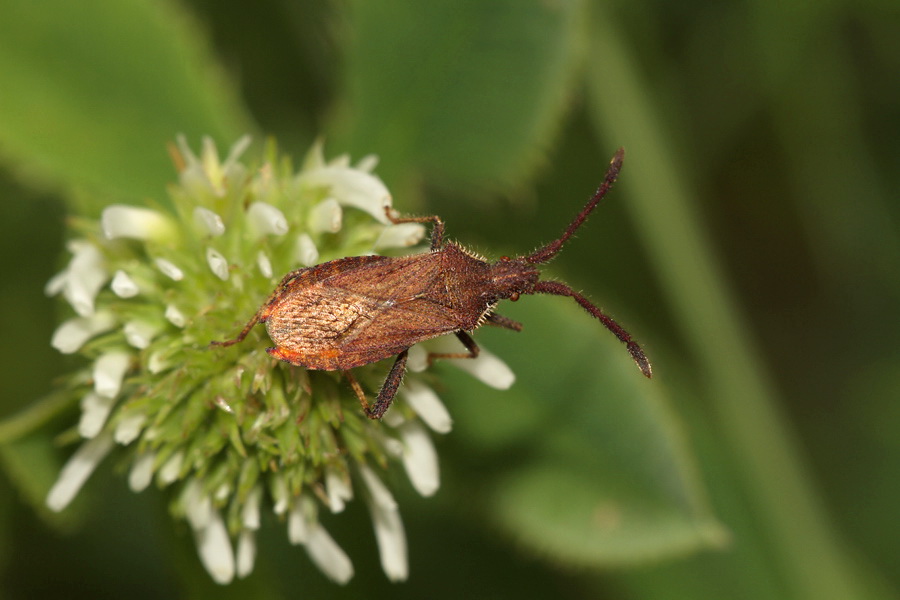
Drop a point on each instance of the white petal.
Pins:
(222, 404)
(338, 490)
(393, 447)
(418, 359)
(246, 553)
(129, 428)
(109, 370)
(326, 216)
(95, 410)
(306, 252)
(250, 510)
(298, 532)
(124, 286)
(209, 158)
(402, 235)
(197, 505)
(381, 496)
(420, 459)
(186, 153)
(77, 471)
(169, 269)
(264, 264)
(389, 532)
(214, 548)
(86, 276)
(71, 335)
(315, 157)
(279, 496)
(175, 316)
(57, 283)
(487, 368)
(266, 219)
(121, 221)
(223, 492)
(192, 176)
(367, 163)
(217, 264)
(141, 473)
(170, 469)
(341, 160)
(427, 405)
(350, 187)
(394, 418)
(158, 362)
(140, 333)
(328, 556)
(234, 153)
(209, 221)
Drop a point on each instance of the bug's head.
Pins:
(513, 276)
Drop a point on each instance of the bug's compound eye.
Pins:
(514, 297)
(504, 258)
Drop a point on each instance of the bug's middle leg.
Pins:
(357, 389)
(467, 341)
(388, 388)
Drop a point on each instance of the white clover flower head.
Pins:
(232, 432)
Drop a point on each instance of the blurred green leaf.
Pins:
(93, 91)
(603, 474)
(468, 92)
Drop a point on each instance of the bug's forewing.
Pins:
(363, 313)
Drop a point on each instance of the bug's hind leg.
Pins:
(263, 313)
(243, 334)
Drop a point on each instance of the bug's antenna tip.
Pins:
(640, 358)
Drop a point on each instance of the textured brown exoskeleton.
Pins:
(354, 311)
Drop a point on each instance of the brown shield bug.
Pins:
(354, 311)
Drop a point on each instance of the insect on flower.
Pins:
(358, 310)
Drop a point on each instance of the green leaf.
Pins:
(467, 91)
(93, 91)
(602, 474)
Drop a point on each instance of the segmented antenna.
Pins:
(551, 249)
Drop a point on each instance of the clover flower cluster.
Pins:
(231, 431)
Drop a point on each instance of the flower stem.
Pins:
(34, 415)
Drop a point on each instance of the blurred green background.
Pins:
(752, 246)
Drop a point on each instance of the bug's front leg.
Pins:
(388, 388)
(505, 322)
